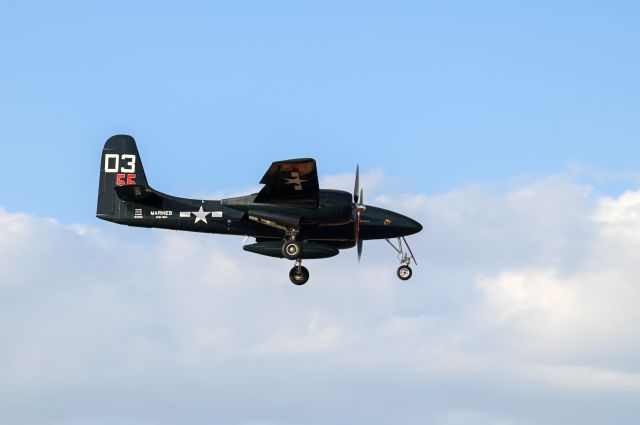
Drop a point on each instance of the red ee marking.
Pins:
(125, 179)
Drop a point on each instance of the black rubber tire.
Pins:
(291, 250)
(404, 272)
(299, 278)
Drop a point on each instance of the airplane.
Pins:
(290, 217)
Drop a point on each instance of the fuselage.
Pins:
(331, 220)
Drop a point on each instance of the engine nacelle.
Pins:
(335, 208)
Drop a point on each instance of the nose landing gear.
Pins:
(404, 271)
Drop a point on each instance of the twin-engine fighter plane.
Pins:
(291, 217)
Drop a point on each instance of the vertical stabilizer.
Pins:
(120, 166)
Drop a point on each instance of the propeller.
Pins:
(356, 189)
(358, 206)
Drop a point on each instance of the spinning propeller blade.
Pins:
(358, 196)
(357, 186)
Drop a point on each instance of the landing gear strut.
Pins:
(299, 275)
(404, 271)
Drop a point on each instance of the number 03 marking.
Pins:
(131, 164)
(112, 163)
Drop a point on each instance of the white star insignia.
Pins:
(295, 180)
(201, 215)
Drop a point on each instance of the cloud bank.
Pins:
(523, 310)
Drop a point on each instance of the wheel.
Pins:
(291, 250)
(404, 272)
(299, 278)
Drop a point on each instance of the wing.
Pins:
(293, 181)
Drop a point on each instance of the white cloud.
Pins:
(522, 310)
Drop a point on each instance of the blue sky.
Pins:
(440, 94)
(508, 129)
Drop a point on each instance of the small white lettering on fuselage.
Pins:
(161, 214)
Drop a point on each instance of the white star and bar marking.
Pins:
(201, 215)
(295, 180)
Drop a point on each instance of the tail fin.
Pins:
(120, 166)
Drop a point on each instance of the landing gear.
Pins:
(404, 271)
(291, 249)
(299, 275)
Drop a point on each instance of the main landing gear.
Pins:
(299, 275)
(404, 271)
(292, 250)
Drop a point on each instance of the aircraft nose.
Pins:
(379, 223)
(411, 226)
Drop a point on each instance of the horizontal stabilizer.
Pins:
(138, 193)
